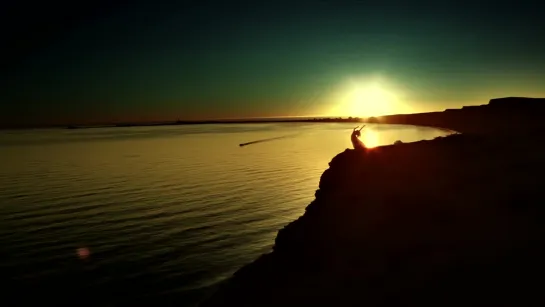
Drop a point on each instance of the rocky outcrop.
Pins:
(499, 116)
(453, 221)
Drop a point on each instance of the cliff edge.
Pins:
(453, 221)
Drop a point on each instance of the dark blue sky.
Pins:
(139, 60)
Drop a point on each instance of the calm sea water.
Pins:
(124, 215)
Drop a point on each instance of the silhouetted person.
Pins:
(356, 142)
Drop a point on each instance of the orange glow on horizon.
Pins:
(367, 98)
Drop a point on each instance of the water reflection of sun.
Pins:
(370, 138)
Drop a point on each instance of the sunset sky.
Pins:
(153, 60)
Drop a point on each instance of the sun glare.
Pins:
(371, 100)
(370, 138)
(366, 100)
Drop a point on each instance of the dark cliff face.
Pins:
(499, 116)
(522, 102)
(453, 221)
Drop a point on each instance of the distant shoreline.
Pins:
(242, 121)
(356, 120)
(197, 122)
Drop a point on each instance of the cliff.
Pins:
(499, 116)
(453, 221)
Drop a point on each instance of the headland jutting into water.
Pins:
(454, 221)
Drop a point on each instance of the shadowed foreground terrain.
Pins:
(455, 221)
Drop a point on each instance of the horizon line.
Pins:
(174, 121)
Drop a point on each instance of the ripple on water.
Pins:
(158, 209)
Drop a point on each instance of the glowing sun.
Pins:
(368, 100)
(370, 138)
